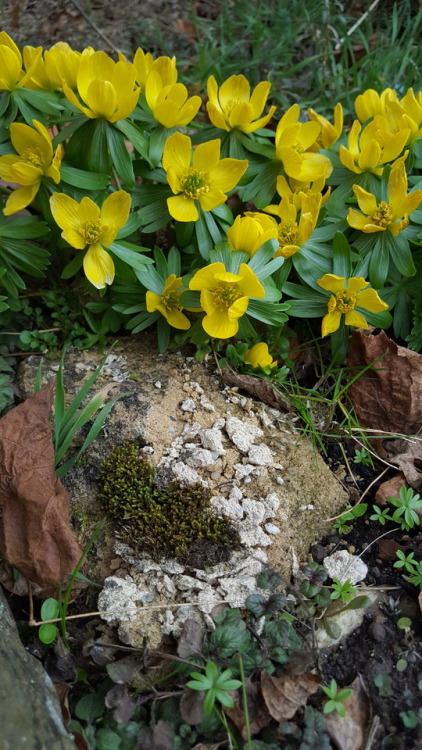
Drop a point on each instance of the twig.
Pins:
(348, 510)
(45, 330)
(357, 24)
(94, 26)
(31, 604)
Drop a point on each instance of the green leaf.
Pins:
(401, 254)
(263, 187)
(44, 101)
(84, 180)
(94, 142)
(120, 156)
(90, 707)
(133, 258)
(228, 639)
(23, 227)
(73, 266)
(379, 262)
(359, 602)
(47, 633)
(50, 609)
(342, 261)
(106, 739)
(137, 138)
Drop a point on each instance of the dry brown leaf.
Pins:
(35, 535)
(387, 549)
(257, 387)
(192, 707)
(257, 709)
(191, 638)
(389, 396)
(407, 456)
(285, 695)
(390, 488)
(420, 601)
(348, 732)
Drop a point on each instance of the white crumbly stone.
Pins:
(242, 434)
(157, 383)
(236, 494)
(188, 405)
(348, 621)
(271, 528)
(207, 405)
(251, 536)
(244, 471)
(185, 474)
(237, 589)
(219, 423)
(260, 455)
(343, 565)
(196, 387)
(227, 507)
(272, 501)
(208, 599)
(199, 457)
(189, 583)
(172, 567)
(212, 440)
(117, 600)
(255, 511)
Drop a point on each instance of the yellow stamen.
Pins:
(194, 183)
(225, 295)
(287, 233)
(343, 302)
(171, 301)
(383, 215)
(33, 156)
(92, 231)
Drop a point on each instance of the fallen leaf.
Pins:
(387, 549)
(192, 706)
(259, 716)
(389, 395)
(420, 600)
(390, 488)
(257, 387)
(407, 456)
(35, 534)
(118, 698)
(190, 641)
(348, 732)
(285, 695)
(185, 27)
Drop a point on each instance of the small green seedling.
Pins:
(406, 505)
(343, 590)
(215, 686)
(336, 698)
(363, 457)
(409, 563)
(342, 525)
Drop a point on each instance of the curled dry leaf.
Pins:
(285, 695)
(348, 732)
(35, 534)
(257, 387)
(390, 488)
(407, 456)
(387, 549)
(388, 396)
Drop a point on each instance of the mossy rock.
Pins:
(173, 521)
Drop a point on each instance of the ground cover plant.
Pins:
(260, 223)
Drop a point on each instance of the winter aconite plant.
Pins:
(212, 221)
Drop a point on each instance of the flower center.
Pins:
(171, 300)
(297, 146)
(92, 231)
(194, 182)
(383, 215)
(343, 302)
(225, 295)
(33, 156)
(287, 233)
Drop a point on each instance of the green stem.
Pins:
(245, 705)
(223, 720)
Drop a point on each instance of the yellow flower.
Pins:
(170, 105)
(259, 356)
(106, 88)
(49, 69)
(291, 233)
(248, 233)
(329, 133)
(405, 115)
(294, 141)
(345, 298)
(370, 103)
(232, 107)
(33, 161)
(144, 63)
(203, 177)
(370, 149)
(297, 191)
(225, 297)
(392, 215)
(11, 74)
(168, 303)
(85, 224)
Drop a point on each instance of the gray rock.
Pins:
(343, 565)
(242, 434)
(30, 716)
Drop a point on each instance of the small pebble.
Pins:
(157, 383)
(280, 480)
(377, 631)
(270, 528)
(188, 405)
(351, 548)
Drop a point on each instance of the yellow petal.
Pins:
(366, 201)
(65, 211)
(115, 212)
(20, 198)
(260, 123)
(211, 200)
(74, 238)
(356, 283)
(212, 91)
(330, 323)
(205, 277)
(96, 67)
(125, 106)
(101, 98)
(206, 156)
(216, 117)
(182, 208)
(177, 319)
(347, 159)
(332, 283)
(152, 301)
(177, 153)
(240, 115)
(227, 174)
(369, 300)
(354, 318)
(98, 267)
(26, 174)
(73, 99)
(218, 325)
(259, 356)
(250, 284)
(25, 138)
(259, 98)
(235, 88)
(10, 68)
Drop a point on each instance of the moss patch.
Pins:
(171, 522)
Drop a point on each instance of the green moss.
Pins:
(171, 522)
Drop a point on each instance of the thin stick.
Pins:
(45, 330)
(357, 24)
(31, 605)
(94, 26)
(348, 510)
